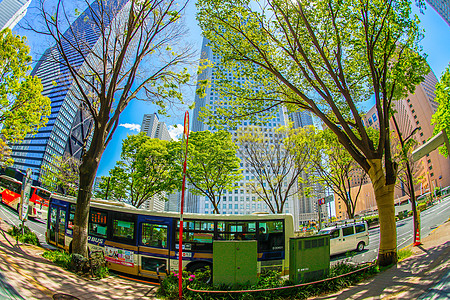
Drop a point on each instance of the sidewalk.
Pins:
(413, 277)
(24, 272)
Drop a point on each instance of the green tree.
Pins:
(277, 169)
(325, 57)
(61, 175)
(333, 166)
(23, 109)
(112, 186)
(441, 118)
(212, 165)
(147, 169)
(139, 54)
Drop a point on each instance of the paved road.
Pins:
(11, 217)
(430, 219)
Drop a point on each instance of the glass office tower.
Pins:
(69, 123)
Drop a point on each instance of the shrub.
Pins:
(79, 264)
(61, 258)
(272, 279)
(27, 237)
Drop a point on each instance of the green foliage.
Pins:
(441, 118)
(147, 168)
(27, 237)
(422, 206)
(61, 175)
(276, 161)
(59, 257)
(23, 109)
(212, 164)
(332, 164)
(325, 57)
(271, 279)
(371, 220)
(96, 266)
(404, 253)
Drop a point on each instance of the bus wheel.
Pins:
(202, 271)
(360, 246)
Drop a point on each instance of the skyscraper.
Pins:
(156, 130)
(11, 12)
(69, 123)
(442, 7)
(239, 200)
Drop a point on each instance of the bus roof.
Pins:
(127, 208)
(10, 178)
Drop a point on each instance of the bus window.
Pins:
(43, 194)
(236, 230)
(271, 236)
(154, 235)
(123, 226)
(71, 216)
(97, 224)
(197, 234)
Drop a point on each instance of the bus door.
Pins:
(57, 225)
(153, 246)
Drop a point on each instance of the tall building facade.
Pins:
(433, 170)
(240, 199)
(11, 12)
(69, 123)
(157, 130)
(307, 206)
(442, 7)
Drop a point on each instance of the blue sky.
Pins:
(436, 45)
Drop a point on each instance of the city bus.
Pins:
(10, 191)
(137, 242)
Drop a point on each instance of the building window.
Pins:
(421, 134)
(432, 174)
(374, 117)
(430, 167)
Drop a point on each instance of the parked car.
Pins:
(347, 237)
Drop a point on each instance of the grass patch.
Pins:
(169, 286)
(404, 253)
(24, 236)
(59, 257)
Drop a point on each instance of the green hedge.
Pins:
(169, 286)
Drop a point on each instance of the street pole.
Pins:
(180, 239)
(319, 202)
(25, 198)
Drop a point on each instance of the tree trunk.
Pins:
(88, 170)
(384, 195)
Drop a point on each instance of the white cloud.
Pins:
(135, 127)
(176, 132)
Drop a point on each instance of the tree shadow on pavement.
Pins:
(408, 279)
